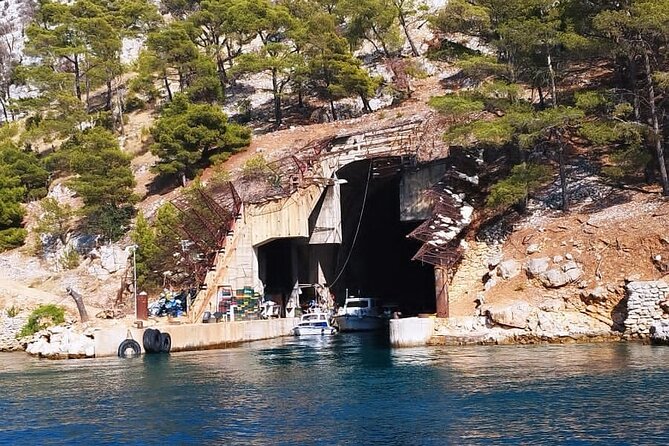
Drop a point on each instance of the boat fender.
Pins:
(151, 340)
(165, 342)
(129, 344)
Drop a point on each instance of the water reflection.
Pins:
(345, 389)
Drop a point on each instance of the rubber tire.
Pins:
(125, 345)
(151, 340)
(165, 342)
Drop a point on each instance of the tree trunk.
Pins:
(88, 94)
(659, 149)
(277, 98)
(563, 175)
(542, 102)
(365, 104)
(4, 109)
(108, 105)
(222, 73)
(332, 108)
(77, 77)
(83, 315)
(633, 87)
(167, 86)
(400, 15)
(383, 44)
(551, 75)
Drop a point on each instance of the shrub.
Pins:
(12, 238)
(133, 103)
(70, 259)
(41, 318)
(12, 311)
(256, 167)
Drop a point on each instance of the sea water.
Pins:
(345, 389)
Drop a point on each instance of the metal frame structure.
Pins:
(207, 217)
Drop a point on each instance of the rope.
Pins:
(357, 229)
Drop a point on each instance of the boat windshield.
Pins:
(357, 304)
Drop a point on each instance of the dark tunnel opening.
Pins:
(380, 263)
(374, 258)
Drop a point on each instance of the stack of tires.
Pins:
(156, 342)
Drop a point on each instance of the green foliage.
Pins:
(134, 103)
(103, 179)
(70, 259)
(147, 252)
(592, 101)
(256, 167)
(55, 219)
(448, 51)
(523, 180)
(109, 220)
(187, 134)
(29, 170)
(481, 67)
(12, 238)
(22, 178)
(456, 106)
(103, 175)
(41, 318)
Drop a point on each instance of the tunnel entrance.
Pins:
(374, 258)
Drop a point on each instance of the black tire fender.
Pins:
(165, 342)
(151, 340)
(129, 344)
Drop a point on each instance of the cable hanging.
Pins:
(357, 229)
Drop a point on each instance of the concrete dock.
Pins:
(198, 336)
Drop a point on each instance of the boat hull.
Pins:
(314, 331)
(357, 323)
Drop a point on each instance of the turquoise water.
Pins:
(347, 389)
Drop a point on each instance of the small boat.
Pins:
(361, 314)
(317, 323)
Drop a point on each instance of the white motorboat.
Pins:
(361, 314)
(317, 323)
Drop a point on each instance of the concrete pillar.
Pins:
(441, 291)
(411, 331)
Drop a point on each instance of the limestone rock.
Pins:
(514, 315)
(659, 333)
(508, 269)
(113, 258)
(554, 278)
(598, 294)
(557, 259)
(569, 266)
(574, 274)
(490, 283)
(534, 267)
(534, 247)
(67, 343)
(494, 260)
(552, 305)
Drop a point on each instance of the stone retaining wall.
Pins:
(644, 306)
